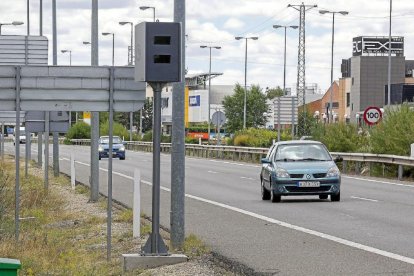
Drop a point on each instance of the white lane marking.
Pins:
(364, 198)
(248, 178)
(379, 181)
(212, 172)
(285, 224)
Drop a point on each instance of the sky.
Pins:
(216, 23)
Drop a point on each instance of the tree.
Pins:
(274, 92)
(147, 115)
(255, 107)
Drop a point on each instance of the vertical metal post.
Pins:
(55, 154)
(278, 119)
(131, 121)
(293, 118)
(47, 123)
(155, 244)
(28, 17)
(94, 183)
(2, 142)
(41, 17)
(284, 66)
(109, 206)
(26, 155)
(209, 93)
(39, 149)
(245, 87)
(55, 135)
(389, 58)
(17, 156)
(178, 142)
(330, 116)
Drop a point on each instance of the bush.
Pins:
(148, 137)
(340, 137)
(118, 130)
(191, 140)
(80, 130)
(253, 137)
(395, 133)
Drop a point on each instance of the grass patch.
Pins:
(194, 247)
(125, 215)
(81, 189)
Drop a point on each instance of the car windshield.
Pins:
(302, 152)
(115, 140)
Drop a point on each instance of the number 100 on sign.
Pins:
(372, 115)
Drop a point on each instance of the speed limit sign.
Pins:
(372, 115)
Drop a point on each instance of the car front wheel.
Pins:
(275, 198)
(265, 192)
(336, 197)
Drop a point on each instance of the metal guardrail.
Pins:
(247, 154)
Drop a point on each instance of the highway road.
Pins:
(369, 232)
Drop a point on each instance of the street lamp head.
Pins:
(323, 11)
(65, 51)
(203, 46)
(238, 37)
(344, 12)
(107, 33)
(294, 27)
(277, 26)
(124, 22)
(144, 8)
(15, 23)
(254, 37)
(86, 43)
(217, 47)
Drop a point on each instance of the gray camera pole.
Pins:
(155, 245)
(178, 142)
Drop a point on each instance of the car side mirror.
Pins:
(338, 159)
(266, 161)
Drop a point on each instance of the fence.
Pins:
(352, 162)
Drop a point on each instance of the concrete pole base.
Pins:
(137, 261)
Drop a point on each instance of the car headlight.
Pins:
(122, 148)
(282, 173)
(333, 172)
(100, 148)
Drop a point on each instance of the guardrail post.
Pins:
(344, 166)
(400, 172)
(357, 166)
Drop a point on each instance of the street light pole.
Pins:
(209, 87)
(389, 59)
(245, 76)
(147, 7)
(14, 23)
(330, 115)
(284, 78)
(70, 55)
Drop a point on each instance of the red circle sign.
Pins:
(372, 115)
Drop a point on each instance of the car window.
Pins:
(302, 152)
(115, 140)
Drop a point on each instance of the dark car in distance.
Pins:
(118, 147)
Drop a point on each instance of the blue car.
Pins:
(300, 168)
(118, 147)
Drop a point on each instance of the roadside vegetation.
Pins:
(68, 235)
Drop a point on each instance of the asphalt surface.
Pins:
(369, 232)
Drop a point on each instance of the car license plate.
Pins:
(309, 184)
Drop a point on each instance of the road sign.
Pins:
(218, 118)
(21, 50)
(9, 117)
(70, 88)
(372, 115)
(59, 121)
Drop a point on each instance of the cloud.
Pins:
(233, 23)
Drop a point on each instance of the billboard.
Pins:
(194, 100)
(377, 45)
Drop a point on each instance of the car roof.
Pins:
(298, 142)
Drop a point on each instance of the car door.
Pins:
(268, 168)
